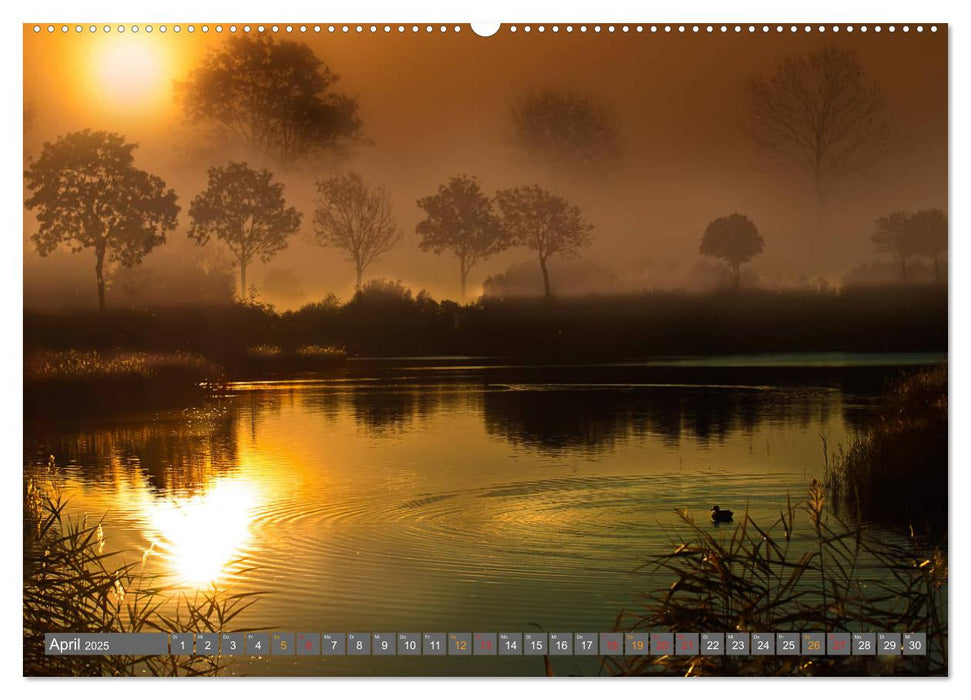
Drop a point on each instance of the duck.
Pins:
(720, 516)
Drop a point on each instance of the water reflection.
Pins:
(422, 499)
(174, 453)
(557, 419)
(177, 476)
(385, 410)
(202, 535)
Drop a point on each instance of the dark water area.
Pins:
(454, 494)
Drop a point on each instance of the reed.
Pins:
(895, 470)
(807, 571)
(323, 352)
(74, 583)
(264, 352)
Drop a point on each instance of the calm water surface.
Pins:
(454, 495)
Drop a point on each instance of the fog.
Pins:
(436, 105)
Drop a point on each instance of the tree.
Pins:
(568, 135)
(89, 194)
(734, 239)
(902, 237)
(543, 222)
(244, 209)
(822, 114)
(274, 98)
(931, 231)
(460, 219)
(356, 218)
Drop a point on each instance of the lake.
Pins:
(454, 494)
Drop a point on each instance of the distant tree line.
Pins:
(89, 195)
(385, 318)
(277, 102)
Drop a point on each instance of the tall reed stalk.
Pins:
(74, 583)
(807, 571)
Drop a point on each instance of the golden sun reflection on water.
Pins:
(200, 536)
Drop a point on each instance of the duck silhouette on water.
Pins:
(720, 516)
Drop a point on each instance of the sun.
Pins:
(131, 73)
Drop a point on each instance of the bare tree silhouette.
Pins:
(821, 113)
(244, 209)
(461, 220)
(275, 98)
(356, 218)
(89, 194)
(544, 223)
(734, 239)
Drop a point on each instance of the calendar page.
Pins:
(544, 349)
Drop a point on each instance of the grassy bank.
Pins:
(895, 471)
(65, 381)
(72, 380)
(807, 571)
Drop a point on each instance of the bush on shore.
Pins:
(895, 471)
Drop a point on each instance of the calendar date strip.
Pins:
(489, 644)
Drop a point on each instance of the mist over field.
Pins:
(685, 150)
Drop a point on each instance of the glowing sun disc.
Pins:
(131, 73)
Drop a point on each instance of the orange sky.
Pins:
(437, 104)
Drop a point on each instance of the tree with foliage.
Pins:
(460, 219)
(275, 98)
(569, 135)
(89, 194)
(244, 209)
(734, 239)
(356, 218)
(822, 114)
(931, 231)
(899, 236)
(544, 223)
